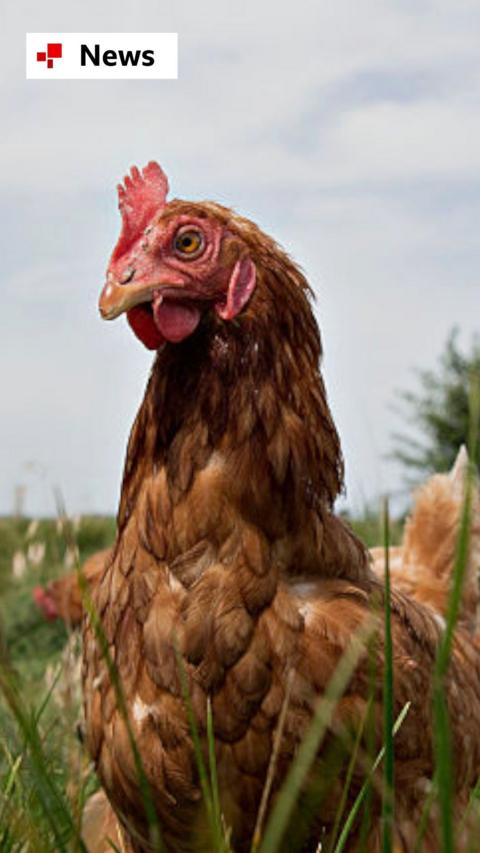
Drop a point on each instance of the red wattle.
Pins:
(141, 321)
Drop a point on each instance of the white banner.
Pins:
(102, 56)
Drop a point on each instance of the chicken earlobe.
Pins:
(240, 289)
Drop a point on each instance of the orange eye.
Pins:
(189, 243)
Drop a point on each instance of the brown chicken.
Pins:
(227, 551)
(62, 598)
(423, 564)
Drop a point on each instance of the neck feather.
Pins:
(249, 388)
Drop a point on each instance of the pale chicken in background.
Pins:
(423, 564)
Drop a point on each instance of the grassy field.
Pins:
(45, 776)
(43, 767)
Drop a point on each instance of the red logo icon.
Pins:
(54, 51)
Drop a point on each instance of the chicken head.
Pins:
(174, 261)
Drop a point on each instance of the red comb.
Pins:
(140, 196)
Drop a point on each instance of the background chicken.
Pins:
(422, 566)
(62, 598)
(227, 550)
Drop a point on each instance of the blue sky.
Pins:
(348, 130)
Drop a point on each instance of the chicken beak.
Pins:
(117, 298)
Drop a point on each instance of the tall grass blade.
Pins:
(287, 798)
(370, 735)
(442, 731)
(212, 763)
(348, 778)
(257, 833)
(219, 843)
(348, 825)
(388, 718)
(43, 705)
(424, 817)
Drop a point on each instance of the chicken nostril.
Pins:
(127, 275)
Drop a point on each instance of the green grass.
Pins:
(45, 776)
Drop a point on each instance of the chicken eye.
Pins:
(189, 243)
